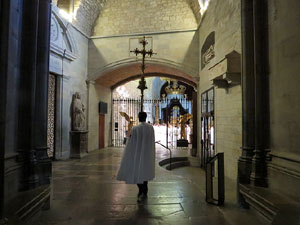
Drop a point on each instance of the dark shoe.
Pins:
(139, 194)
(141, 198)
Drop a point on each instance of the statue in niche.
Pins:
(78, 115)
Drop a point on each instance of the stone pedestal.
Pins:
(79, 144)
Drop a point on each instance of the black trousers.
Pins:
(143, 188)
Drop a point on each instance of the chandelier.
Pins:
(175, 88)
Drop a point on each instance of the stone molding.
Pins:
(127, 61)
(63, 47)
(284, 164)
(144, 33)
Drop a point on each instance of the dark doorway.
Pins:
(101, 130)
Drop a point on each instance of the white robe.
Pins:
(138, 160)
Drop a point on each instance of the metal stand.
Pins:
(209, 180)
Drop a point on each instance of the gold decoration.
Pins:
(130, 121)
(182, 120)
(175, 88)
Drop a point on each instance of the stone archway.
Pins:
(113, 77)
(103, 82)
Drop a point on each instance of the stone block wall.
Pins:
(87, 13)
(228, 122)
(223, 18)
(175, 48)
(135, 16)
(284, 57)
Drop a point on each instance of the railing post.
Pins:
(221, 185)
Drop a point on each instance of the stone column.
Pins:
(41, 100)
(259, 171)
(26, 140)
(248, 104)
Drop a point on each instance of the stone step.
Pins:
(174, 159)
(175, 165)
(276, 208)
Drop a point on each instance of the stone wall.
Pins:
(223, 18)
(87, 14)
(228, 122)
(178, 49)
(135, 16)
(71, 74)
(98, 93)
(284, 56)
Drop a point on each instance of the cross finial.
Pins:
(142, 84)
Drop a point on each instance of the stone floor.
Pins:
(86, 192)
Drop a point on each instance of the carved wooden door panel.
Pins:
(51, 115)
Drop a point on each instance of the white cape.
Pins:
(138, 160)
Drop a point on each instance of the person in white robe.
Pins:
(138, 162)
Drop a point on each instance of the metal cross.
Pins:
(142, 84)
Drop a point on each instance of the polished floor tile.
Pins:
(86, 192)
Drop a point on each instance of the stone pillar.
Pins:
(259, 170)
(4, 36)
(26, 140)
(248, 104)
(252, 163)
(41, 100)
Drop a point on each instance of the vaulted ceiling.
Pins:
(87, 11)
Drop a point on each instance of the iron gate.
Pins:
(207, 126)
(162, 113)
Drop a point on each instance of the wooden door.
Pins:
(101, 130)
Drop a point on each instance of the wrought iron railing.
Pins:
(170, 154)
(210, 174)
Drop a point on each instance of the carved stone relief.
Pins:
(208, 50)
(61, 37)
(208, 55)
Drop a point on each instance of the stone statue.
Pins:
(78, 115)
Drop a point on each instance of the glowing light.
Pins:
(122, 92)
(203, 5)
(67, 16)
